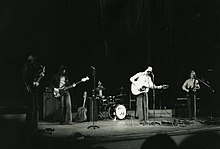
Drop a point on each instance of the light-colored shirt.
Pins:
(142, 78)
(62, 81)
(190, 84)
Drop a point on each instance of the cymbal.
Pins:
(120, 95)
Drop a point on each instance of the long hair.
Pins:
(61, 69)
(31, 61)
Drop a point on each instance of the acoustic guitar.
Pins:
(81, 112)
(192, 91)
(138, 88)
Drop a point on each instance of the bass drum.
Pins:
(117, 110)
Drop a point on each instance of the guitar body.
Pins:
(58, 92)
(137, 89)
(192, 92)
(31, 89)
(81, 114)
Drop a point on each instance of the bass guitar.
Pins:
(58, 92)
(81, 112)
(138, 88)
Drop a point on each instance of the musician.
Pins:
(191, 86)
(100, 89)
(143, 81)
(30, 75)
(61, 80)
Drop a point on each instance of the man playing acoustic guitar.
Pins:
(191, 86)
(58, 82)
(141, 83)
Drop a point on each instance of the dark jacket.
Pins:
(55, 81)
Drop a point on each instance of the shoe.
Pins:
(142, 122)
(147, 122)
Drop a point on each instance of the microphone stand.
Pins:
(208, 86)
(154, 102)
(93, 99)
(153, 98)
(204, 84)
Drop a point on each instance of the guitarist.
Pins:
(32, 74)
(191, 86)
(61, 80)
(142, 98)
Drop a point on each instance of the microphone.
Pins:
(152, 73)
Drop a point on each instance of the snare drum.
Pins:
(117, 110)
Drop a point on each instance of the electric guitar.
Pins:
(36, 82)
(58, 92)
(81, 112)
(138, 88)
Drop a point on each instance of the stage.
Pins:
(124, 134)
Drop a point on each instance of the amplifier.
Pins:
(161, 113)
(51, 107)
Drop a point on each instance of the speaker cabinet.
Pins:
(51, 106)
(92, 109)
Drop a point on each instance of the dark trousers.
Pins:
(65, 108)
(190, 106)
(32, 114)
(142, 107)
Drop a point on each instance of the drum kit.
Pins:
(113, 105)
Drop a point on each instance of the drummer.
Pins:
(102, 102)
(100, 89)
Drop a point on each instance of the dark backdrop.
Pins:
(118, 38)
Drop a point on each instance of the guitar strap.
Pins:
(194, 83)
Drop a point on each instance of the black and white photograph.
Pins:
(110, 74)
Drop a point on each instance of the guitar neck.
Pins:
(84, 99)
(68, 87)
(78, 82)
(38, 80)
(41, 75)
(84, 102)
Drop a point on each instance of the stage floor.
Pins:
(126, 131)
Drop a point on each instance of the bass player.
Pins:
(61, 80)
(141, 83)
